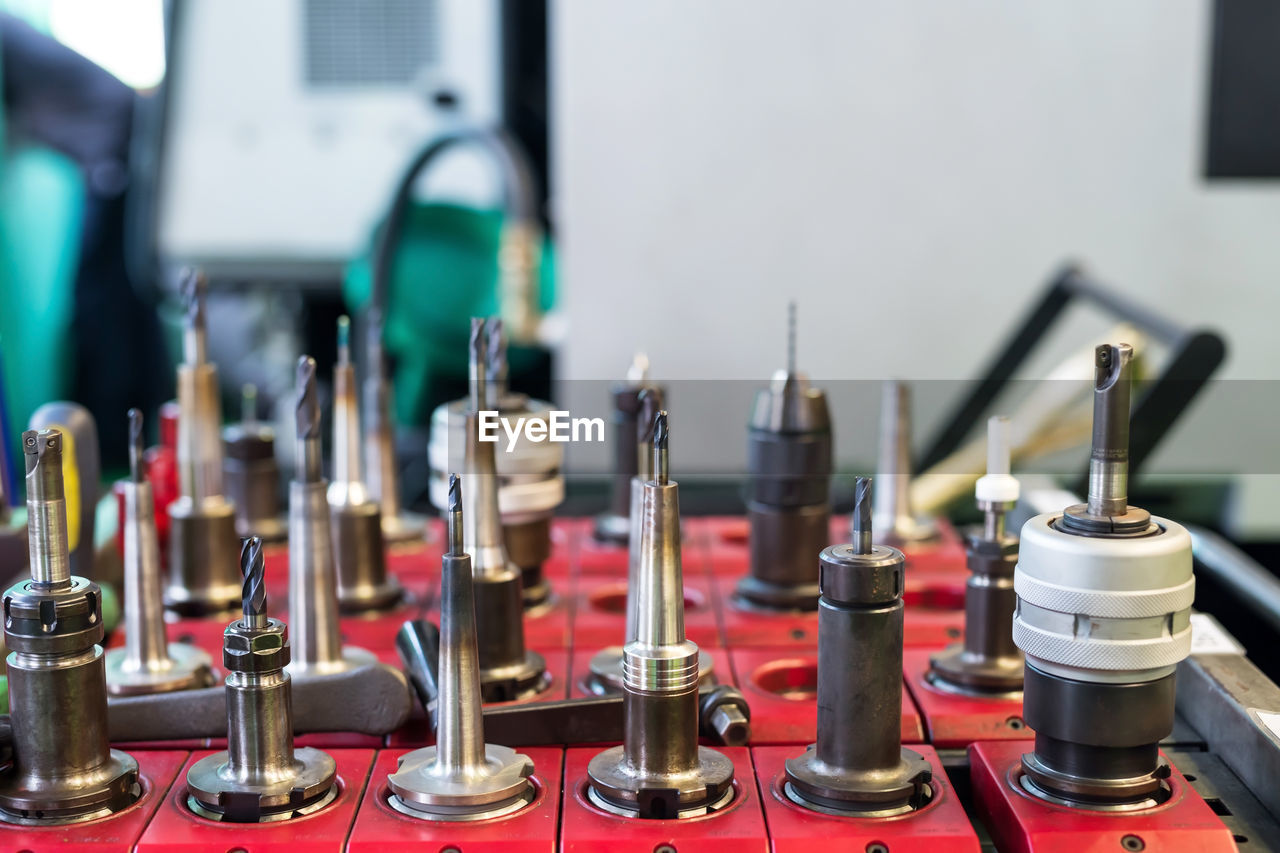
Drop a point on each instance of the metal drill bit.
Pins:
(791, 338)
(638, 372)
(137, 467)
(194, 335)
(46, 509)
(650, 405)
(307, 422)
(862, 499)
(660, 464)
(254, 591)
(476, 364)
(347, 486)
(461, 777)
(1109, 458)
(249, 404)
(894, 516)
(999, 460)
(496, 366)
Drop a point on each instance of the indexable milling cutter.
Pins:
(313, 581)
(251, 474)
(858, 766)
(260, 777)
(988, 663)
(530, 476)
(1101, 697)
(461, 778)
(63, 770)
(614, 525)
(508, 670)
(363, 583)
(605, 670)
(202, 537)
(147, 663)
(660, 771)
(381, 473)
(789, 453)
(895, 518)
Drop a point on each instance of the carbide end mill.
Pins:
(461, 777)
(1101, 701)
(363, 582)
(313, 594)
(260, 777)
(895, 518)
(858, 765)
(382, 477)
(660, 771)
(605, 674)
(251, 474)
(988, 663)
(615, 524)
(507, 669)
(202, 537)
(147, 663)
(63, 770)
(789, 453)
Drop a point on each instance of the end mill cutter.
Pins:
(858, 765)
(63, 770)
(363, 582)
(507, 669)
(461, 777)
(260, 777)
(313, 594)
(202, 538)
(605, 675)
(382, 478)
(988, 663)
(660, 771)
(895, 519)
(1100, 701)
(615, 525)
(251, 474)
(788, 505)
(148, 663)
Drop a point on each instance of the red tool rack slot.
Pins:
(952, 720)
(941, 825)
(1021, 823)
(600, 612)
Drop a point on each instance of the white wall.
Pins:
(911, 172)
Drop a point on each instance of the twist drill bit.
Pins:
(313, 594)
(202, 538)
(382, 478)
(260, 777)
(789, 457)
(250, 473)
(660, 771)
(858, 765)
(507, 669)
(363, 582)
(614, 526)
(988, 663)
(147, 663)
(461, 777)
(894, 516)
(496, 363)
(63, 770)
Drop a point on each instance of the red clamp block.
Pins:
(745, 627)
(737, 828)
(381, 829)
(418, 732)
(177, 828)
(954, 720)
(781, 686)
(580, 668)
(940, 825)
(120, 831)
(1021, 823)
(600, 612)
(561, 564)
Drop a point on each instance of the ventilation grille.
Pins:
(369, 42)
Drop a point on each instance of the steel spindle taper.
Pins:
(382, 476)
(202, 537)
(313, 593)
(63, 770)
(988, 663)
(147, 663)
(615, 524)
(895, 517)
(363, 582)
(507, 669)
(788, 501)
(260, 777)
(660, 771)
(461, 777)
(858, 765)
